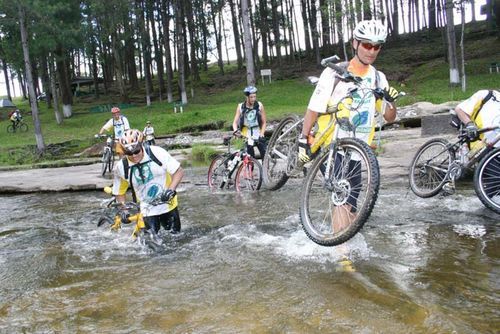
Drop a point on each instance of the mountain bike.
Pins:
(438, 164)
(108, 154)
(342, 184)
(117, 214)
(238, 169)
(17, 126)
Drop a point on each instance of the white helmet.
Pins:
(372, 31)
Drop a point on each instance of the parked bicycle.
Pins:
(341, 186)
(235, 169)
(108, 154)
(17, 126)
(117, 214)
(438, 164)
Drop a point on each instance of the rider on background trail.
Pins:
(119, 124)
(151, 172)
(250, 119)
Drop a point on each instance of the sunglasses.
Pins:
(136, 151)
(369, 46)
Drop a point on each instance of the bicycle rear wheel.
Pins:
(105, 161)
(333, 210)
(23, 127)
(487, 181)
(10, 128)
(281, 154)
(249, 175)
(111, 161)
(217, 173)
(430, 166)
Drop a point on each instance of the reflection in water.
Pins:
(243, 264)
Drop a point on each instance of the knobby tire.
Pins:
(487, 180)
(276, 169)
(430, 167)
(249, 175)
(322, 203)
(216, 173)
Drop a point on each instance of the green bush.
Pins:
(203, 153)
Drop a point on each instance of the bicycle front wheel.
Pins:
(334, 206)
(105, 162)
(281, 153)
(11, 129)
(487, 180)
(249, 175)
(217, 173)
(23, 127)
(111, 161)
(430, 166)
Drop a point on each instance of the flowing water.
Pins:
(242, 264)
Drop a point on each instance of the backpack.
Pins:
(127, 169)
(457, 123)
(245, 111)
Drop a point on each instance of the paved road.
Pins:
(399, 146)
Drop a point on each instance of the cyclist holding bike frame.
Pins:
(119, 124)
(368, 38)
(151, 172)
(250, 119)
(16, 118)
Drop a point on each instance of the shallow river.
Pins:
(242, 264)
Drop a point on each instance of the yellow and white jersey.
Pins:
(489, 115)
(149, 180)
(324, 99)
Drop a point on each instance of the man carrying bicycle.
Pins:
(250, 119)
(480, 110)
(152, 173)
(119, 124)
(368, 38)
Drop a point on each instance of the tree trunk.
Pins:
(236, 35)
(264, 31)
(40, 144)
(115, 49)
(53, 90)
(218, 36)
(248, 42)
(64, 80)
(432, 14)
(165, 19)
(195, 73)
(6, 75)
(452, 47)
(179, 16)
(45, 80)
(305, 21)
(146, 51)
(276, 29)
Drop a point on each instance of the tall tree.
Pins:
(245, 13)
(452, 46)
(179, 17)
(165, 19)
(236, 34)
(40, 144)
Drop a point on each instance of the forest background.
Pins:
(149, 56)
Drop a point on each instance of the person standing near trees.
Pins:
(250, 119)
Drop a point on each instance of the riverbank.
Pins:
(398, 148)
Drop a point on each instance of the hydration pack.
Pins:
(252, 115)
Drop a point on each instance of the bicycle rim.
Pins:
(281, 153)
(217, 173)
(487, 181)
(429, 168)
(332, 211)
(249, 176)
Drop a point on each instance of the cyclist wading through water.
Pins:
(368, 38)
(151, 172)
(250, 119)
(119, 124)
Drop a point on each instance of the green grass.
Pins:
(420, 71)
